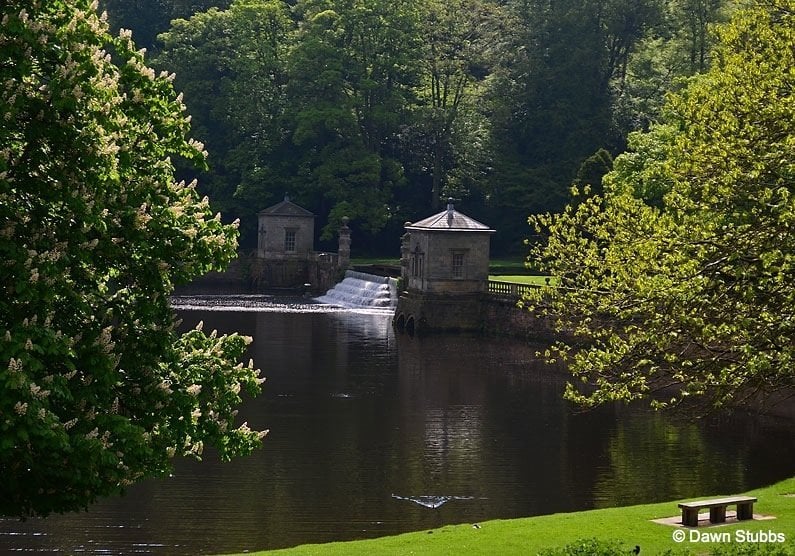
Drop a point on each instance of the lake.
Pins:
(374, 433)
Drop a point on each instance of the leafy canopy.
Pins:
(680, 279)
(97, 389)
(231, 66)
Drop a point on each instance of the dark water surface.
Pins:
(373, 434)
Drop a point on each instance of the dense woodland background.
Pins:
(379, 110)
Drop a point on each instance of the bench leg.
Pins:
(745, 511)
(717, 514)
(690, 517)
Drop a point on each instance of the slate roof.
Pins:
(286, 208)
(450, 220)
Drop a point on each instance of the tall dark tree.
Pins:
(694, 18)
(677, 47)
(552, 104)
(231, 66)
(460, 45)
(148, 18)
(352, 75)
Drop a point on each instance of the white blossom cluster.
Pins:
(100, 233)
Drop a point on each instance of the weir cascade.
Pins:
(362, 290)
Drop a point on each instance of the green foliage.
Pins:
(588, 547)
(311, 105)
(458, 54)
(551, 103)
(678, 45)
(97, 390)
(643, 169)
(351, 77)
(678, 281)
(231, 66)
(751, 549)
(148, 18)
(380, 109)
(593, 169)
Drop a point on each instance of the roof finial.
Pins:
(450, 209)
(286, 197)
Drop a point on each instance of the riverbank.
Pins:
(630, 526)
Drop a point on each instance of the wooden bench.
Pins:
(717, 509)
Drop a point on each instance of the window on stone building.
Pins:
(416, 264)
(458, 265)
(261, 240)
(289, 241)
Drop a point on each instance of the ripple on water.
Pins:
(430, 501)
(262, 303)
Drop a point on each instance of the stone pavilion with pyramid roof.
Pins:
(444, 271)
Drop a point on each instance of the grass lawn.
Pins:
(500, 267)
(520, 279)
(375, 260)
(630, 526)
(508, 266)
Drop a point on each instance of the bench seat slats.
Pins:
(717, 502)
(717, 509)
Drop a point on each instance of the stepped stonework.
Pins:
(362, 290)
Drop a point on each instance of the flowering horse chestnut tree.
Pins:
(97, 388)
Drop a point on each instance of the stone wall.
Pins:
(418, 313)
(249, 273)
(436, 248)
(233, 280)
(501, 316)
(432, 313)
(324, 271)
(264, 274)
(272, 241)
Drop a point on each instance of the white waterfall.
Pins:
(362, 290)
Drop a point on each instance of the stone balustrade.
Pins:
(511, 290)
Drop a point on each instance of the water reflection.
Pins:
(373, 434)
(721, 452)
